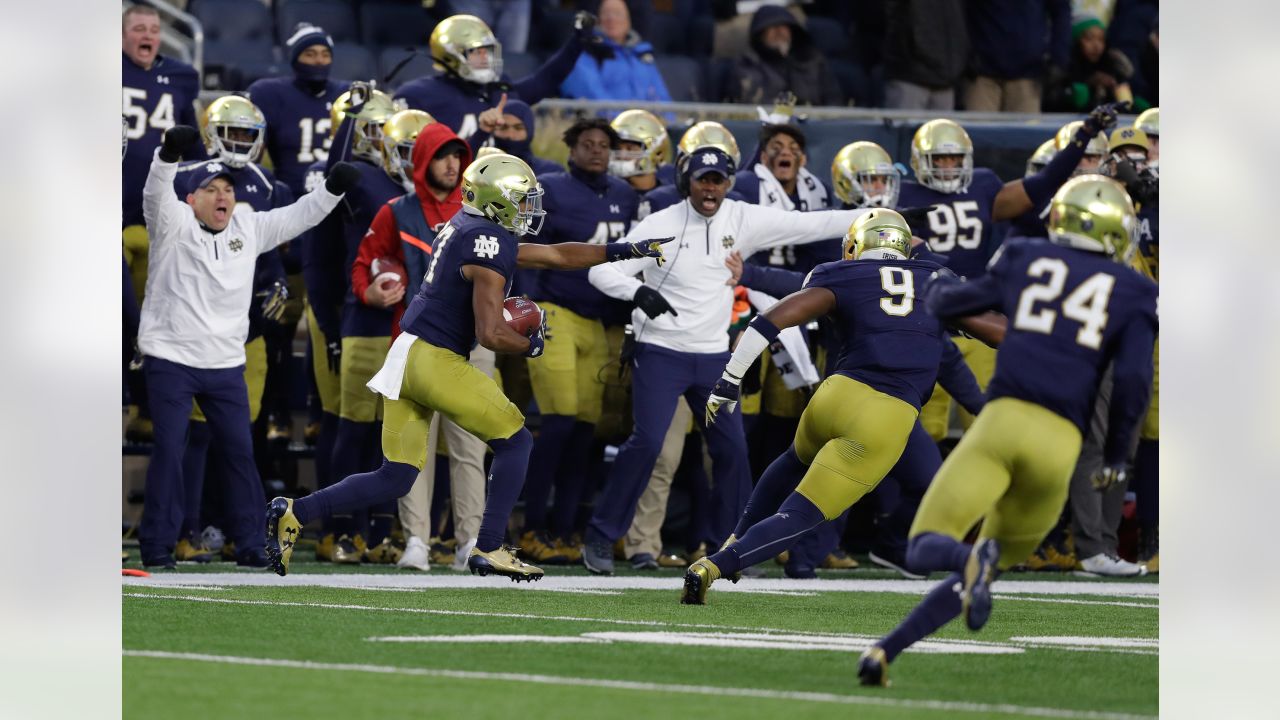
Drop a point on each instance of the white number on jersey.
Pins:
(468, 126)
(437, 249)
(310, 128)
(161, 118)
(606, 231)
(1087, 304)
(899, 283)
(955, 224)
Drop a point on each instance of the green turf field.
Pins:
(326, 642)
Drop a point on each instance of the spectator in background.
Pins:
(1097, 74)
(508, 18)
(782, 58)
(926, 52)
(1011, 39)
(619, 68)
(511, 126)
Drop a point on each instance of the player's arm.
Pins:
(1132, 371)
(284, 224)
(1035, 192)
(795, 309)
(578, 256)
(382, 240)
(767, 227)
(988, 328)
(545, 81)
(778, 282)
(957, 379)
(950, 297)
(492, 330)
(322, 260)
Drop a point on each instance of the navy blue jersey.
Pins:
(890, 342)
(960, 228)
(298, 131)
(457, 103)
(597, 213)
(154, 101)
(255, 186)
(1071, 313)
(442, 313)
(1149, 241)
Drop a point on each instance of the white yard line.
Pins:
(610, 621)
(668, 688)
(432, 580)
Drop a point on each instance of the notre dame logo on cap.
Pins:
(236, 245)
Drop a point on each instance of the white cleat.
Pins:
(415, 555)
(1106, 565)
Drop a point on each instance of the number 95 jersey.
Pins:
(441, 313)
(888, 340)
(960, 227)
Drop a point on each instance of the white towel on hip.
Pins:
(388, 380)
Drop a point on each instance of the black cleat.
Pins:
(979, 572)
(873, 667)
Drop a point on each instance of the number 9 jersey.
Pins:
(960, 227)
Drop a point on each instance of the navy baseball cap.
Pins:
(201, 177)
(709, 159)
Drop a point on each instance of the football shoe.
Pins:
(697, 580)
(502, 561)
(283, 531)
(979, 572)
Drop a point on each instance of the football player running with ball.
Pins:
(460, 303)
(1074, 306)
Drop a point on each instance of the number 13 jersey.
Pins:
(960, 227)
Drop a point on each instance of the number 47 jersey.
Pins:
(1071, 313)
(959, 227)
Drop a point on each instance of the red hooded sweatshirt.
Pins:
(385, 238)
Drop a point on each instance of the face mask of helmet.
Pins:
(482, 64)
(529, 217)
(401, 165)
(237, 145)
(629, 163)
(879, 189)
(949, 179)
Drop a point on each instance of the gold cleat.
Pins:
(698, 553)
(873, 667)
(534, 547)
(283, 530)
(384, 553)
(697, 580)
(572, 552)
(441, 552)
(324, 548)
(186, 552)
(734, 578)
(671, 560)
(1153, 565)
(839, 560)
(348, 550)
(502, 561)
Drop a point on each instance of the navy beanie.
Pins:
(304, 36)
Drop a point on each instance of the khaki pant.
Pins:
(988, 94)
(466, 473)
(645, 534)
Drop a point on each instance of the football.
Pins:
(388, 269)
(522, 314)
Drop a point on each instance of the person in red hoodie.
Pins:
(405, 229)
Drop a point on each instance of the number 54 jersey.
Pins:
(959, 228)
(441, 313)
(889, 341)
(1071, 313)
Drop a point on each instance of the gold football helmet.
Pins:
(1093, 152)
(398, 134)
(488, 150)
(505, 190)
(1127, 143)
(881, 229)
(234, 130)
(940, 138)
(1149, 122)
(1094, 213)
(452, 43)
(1041, 157)
(640, 126)
(367, 142)
(863, 175)
(710, 133)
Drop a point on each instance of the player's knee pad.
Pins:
(520, 442)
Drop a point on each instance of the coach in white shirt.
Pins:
(681, 327)
(194, 322)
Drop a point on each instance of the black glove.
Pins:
(652, 302)
(273, 300)
(333, 354)
(583, 23)
(1103, 117)
(916, 216)
(342, 177)
(616, 251)
(360, 91)
(1108, 476)
(177, 140)
(1143, 188)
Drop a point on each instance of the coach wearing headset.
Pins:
(681, 326)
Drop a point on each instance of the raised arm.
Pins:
(160, 204)
(283, 224)
(767, 227)
(545, 81)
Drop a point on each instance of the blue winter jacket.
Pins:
(630, 74)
